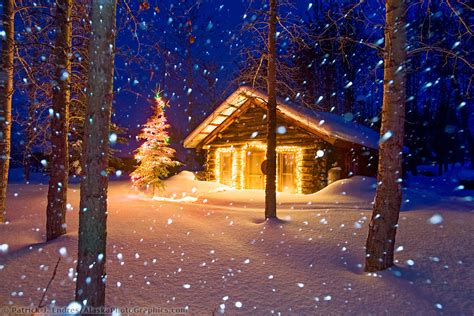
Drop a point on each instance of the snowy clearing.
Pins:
(217, 255)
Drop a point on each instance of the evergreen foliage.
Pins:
(155, 156)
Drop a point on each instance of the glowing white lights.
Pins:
(239, 160)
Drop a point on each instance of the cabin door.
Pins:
(254, 178)
(226, 168)
(286, 172)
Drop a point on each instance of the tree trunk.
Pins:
(189, 82)
(470, 143)
(29, 132)
(270, 185)
(383, 224)
(59, 160)
(463, 121)
(349, 97)
(32, 105)
(190, 155)
(91, 275)
(6, 93)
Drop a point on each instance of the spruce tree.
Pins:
(155, 156)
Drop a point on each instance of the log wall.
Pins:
(250, 127)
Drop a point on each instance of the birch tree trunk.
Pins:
(270, 185)
(383, 224)
(91, 275)
(59, 160)
(6, 93)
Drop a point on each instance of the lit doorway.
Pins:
(225, 172)
(254, 178)
(286, 172)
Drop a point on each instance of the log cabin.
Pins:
(313, 148)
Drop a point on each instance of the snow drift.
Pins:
(184, 187)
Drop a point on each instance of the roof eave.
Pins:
(190, 141)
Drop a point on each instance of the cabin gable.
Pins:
(251, 125)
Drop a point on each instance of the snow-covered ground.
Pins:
(210, 250)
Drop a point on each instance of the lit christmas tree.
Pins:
(154, 156)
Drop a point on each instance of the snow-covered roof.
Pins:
(324, 124)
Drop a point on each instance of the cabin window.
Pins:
(254, 178)
(287, 172)
(225, 172)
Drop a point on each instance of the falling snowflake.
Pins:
(435, 219)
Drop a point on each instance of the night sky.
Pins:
(215, 29)
(152, 54)
(219, 36)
